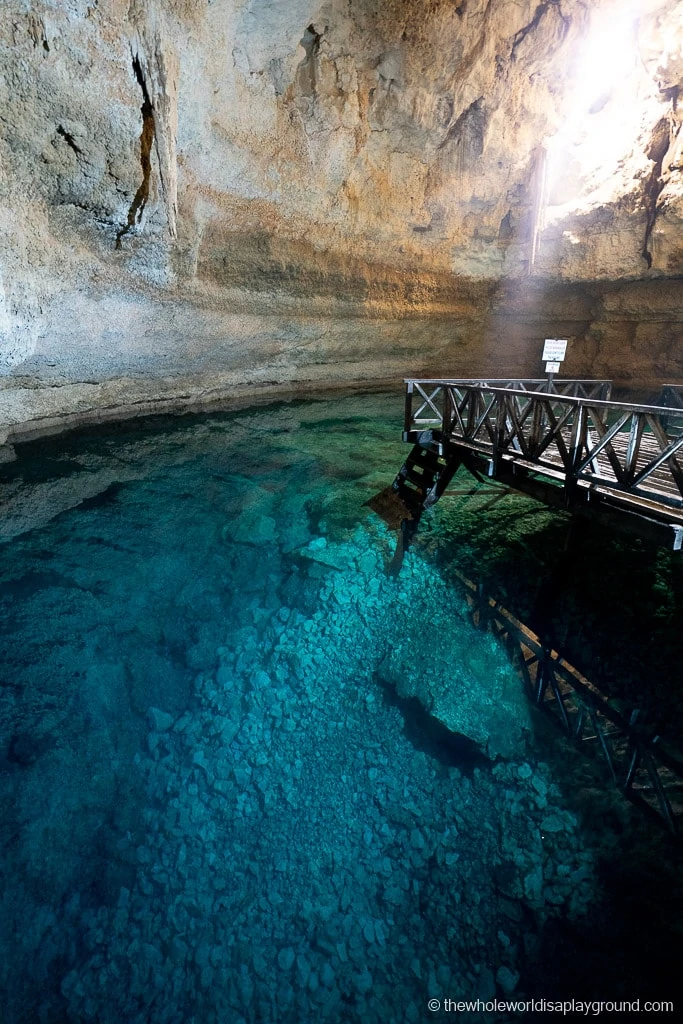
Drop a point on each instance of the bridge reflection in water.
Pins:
(565, 443)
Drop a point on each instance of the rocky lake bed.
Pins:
(219, 801)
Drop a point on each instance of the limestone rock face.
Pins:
(196, 195)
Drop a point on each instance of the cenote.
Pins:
(227, 792)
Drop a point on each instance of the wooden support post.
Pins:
(633, 447)
(471, 412)
(501, 415)
(577, 446)
(408, 412)
(447, 413)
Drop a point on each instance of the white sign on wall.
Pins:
(554, 349)
(552, 367)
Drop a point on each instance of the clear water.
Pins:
(220, 799)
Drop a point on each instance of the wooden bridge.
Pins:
(563, 442)
(567, 444)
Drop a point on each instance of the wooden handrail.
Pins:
(628, 449)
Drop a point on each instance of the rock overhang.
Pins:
(296, 189)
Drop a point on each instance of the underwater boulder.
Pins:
(470, 688)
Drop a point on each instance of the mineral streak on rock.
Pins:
(196, 196)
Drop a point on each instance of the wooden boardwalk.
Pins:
(569, 446)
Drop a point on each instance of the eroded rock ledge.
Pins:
(196, 197)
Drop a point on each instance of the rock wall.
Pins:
(196, 196)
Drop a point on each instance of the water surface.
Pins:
(222, 799)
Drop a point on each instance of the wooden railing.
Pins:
(425, 397)
(630, 452)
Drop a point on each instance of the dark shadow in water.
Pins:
(25, 749)
(105, 497)
(40, 465)
(431, 736)
(618, 953)
(31, 583)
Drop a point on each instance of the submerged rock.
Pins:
(473, 693)
(507, 979)
(159, 721)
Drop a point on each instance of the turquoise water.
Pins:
(222, 796)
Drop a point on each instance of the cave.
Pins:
(260, 758)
